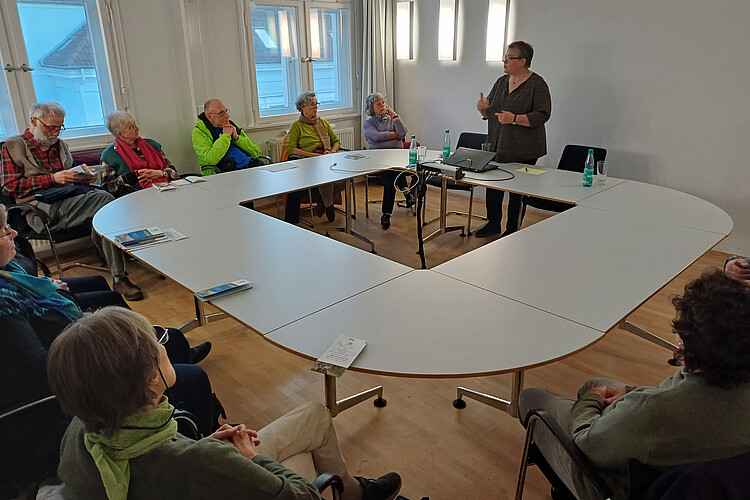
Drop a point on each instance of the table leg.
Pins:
(349, 190)
(201, 318)
(508, 406)
(444, 228)
(644, 334)
(335, 406)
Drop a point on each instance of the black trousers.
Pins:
(389, 177)
(516, 207)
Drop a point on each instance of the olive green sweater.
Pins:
(183, 469)
(684, 420)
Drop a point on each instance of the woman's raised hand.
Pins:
(483, 104)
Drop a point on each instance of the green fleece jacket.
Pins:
(306, 138)
(210, 152)
(683, 421)
(183, 469)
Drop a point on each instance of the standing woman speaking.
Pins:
(516, 110)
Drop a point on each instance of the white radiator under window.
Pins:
(273, 146)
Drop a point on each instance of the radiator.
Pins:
(273, 146)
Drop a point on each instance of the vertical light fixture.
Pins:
(286, 46)
(315, 32)
(404, 22)
(447, 30)
(495, 30)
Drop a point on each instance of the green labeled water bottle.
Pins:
(588, 170)
(413, 152)
(447, 144)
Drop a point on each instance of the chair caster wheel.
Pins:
(380, 402)
(674, 362)
(459, 404)
(373, 251)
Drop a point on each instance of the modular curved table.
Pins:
(531, 298)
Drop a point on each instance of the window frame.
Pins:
(21, 85)
(306, 73)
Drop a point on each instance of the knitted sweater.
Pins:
(378, 133)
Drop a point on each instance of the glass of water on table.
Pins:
(601, 172)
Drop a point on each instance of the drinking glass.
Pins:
(601, 172)
(421, 153)
(487, 146)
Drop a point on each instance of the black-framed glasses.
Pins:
(162, 335)
(220, 113)
(508, 58)
(51, 127)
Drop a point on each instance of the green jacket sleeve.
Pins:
(250, 147)
(292, 141)
(209, 152)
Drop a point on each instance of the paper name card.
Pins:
(343, 351)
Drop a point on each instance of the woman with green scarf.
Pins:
(110, 371)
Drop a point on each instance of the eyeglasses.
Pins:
(162, 335)
(53, 128)
(508, 58)
(220, 113)
(7, 231)
(131, 127)
(312, 104)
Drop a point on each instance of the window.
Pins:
(62, 46)
(298, 46)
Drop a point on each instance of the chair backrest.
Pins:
(573, 157)
(728, 479)
(471, 140)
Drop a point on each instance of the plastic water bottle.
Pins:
(588, 169)
(447, 144)
(413, 152)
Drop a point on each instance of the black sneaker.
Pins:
(385, 221)
(410, 200)
(383, 488)
(200, 352)
(488, 230)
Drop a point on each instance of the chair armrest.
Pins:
(187, 424)
(29, 207)
(208, 170)
(574, 452)
(334, 481)
(295, 157)
(264, 160)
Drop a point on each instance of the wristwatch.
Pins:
(514, 120)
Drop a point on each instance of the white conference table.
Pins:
(538, 295)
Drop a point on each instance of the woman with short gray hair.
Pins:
(310, 136)
(385, 130)
(132, 163)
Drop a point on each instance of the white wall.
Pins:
(662, 85)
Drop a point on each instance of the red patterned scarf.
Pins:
(151, 158)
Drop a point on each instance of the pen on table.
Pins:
(525, 169)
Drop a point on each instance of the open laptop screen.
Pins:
(474, 160)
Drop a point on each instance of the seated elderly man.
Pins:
(697, 415)
(132, 162)
(38, 160)
(738, 267)
(220, 144)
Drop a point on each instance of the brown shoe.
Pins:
(129, 291)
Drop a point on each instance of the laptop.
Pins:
(474, 160)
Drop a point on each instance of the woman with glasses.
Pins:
(132, 162)
(33, 312)
(310, 136)
(516, 110)
(386, 130)
(109, 371)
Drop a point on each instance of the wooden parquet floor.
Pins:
(440, 452)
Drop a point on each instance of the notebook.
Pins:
(474, 160)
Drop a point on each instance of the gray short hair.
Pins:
(370, 102)
(3, 215)
(49, 108)
(303, 100)
(117, 121)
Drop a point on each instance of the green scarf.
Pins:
(139, 434)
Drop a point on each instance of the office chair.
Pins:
(573, 159)
(471, 140)
(377, 177)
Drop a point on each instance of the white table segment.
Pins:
(149, 207)
(590, 266)
(425, 324)
(662, 204)
(294, 272)
(259, 182)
